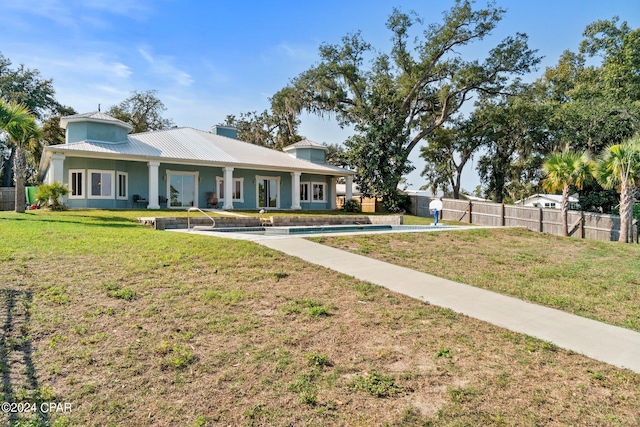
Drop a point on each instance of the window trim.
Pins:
(83, 184)
(90, 172)
(126, 185)
(220, 180)
(324, 192)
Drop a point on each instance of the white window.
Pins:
(304, 191)
(101, 184)
(319, 191)
(122, 190)
(237, 188)
(550, 205)
(76, 183)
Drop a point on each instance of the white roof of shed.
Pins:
(557, 198)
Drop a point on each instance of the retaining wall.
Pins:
(164, 223)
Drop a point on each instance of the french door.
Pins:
(182, 189)
(268, 192)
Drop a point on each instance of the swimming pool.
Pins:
(327, 229)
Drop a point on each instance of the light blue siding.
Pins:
(138, 183)
(90, 131)
(314, 155)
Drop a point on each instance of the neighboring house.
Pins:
(473, 198)
(367, 204)
(106, 168)
(552, 201)
(341, 190)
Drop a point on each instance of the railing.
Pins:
(203, 213)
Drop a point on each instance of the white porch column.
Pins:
(153, 185)
(56, 172)
(334, 194)
(348, 192)
(228, 188)
(295, 190)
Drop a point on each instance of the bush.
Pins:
(352, 206)
(397, 203)
(49, 195)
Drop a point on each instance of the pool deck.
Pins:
(271, 232)
(610, 344)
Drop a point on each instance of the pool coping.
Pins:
(256, 237)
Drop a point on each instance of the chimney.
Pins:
(228, 131)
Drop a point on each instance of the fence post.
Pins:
(541, 223)
(470, 220)
(582, 233)
(503, 221)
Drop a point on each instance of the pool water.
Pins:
(300, 230)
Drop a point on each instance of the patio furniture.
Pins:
(212, 200)
(139, 201)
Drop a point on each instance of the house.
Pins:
(105, 167)
(551, 201)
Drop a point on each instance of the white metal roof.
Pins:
(192, 146)
(305, 143)
(94, 116)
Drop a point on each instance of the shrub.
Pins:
(397, 203)
(49, 195)
(352, 206)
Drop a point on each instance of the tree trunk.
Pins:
(456, 186)
(626, 211)
(20, 165)
(630, 198)
(564, 211)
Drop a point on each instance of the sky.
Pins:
(208, 59)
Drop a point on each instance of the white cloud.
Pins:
(98, 66)
(72, 17)
(57, 11)
(163, 66)
(132, 9)
(298, 53)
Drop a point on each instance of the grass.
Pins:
(599, 280)
(214, 336)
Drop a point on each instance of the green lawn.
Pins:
(599, 280)
(133, 326)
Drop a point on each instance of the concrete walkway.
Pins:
(610, 344)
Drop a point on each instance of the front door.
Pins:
(268, 192)
(182, 190)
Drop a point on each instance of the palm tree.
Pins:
(564, 170)
(619, 168)
(20, 125)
